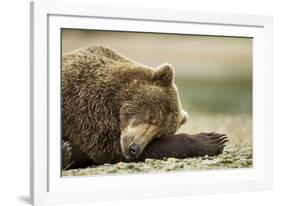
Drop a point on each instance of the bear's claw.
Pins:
(212, 143)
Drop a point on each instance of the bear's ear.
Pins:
(164, 74)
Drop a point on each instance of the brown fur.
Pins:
(103, 91)
(184, 145)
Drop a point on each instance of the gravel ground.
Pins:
(237, 154)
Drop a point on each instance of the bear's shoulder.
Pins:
(102, 61)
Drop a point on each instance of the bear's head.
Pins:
(153, 111)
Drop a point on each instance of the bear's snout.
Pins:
(134, 138)
(134, 150)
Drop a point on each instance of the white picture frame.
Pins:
(47, 185)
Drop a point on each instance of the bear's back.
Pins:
(90, 56)
(102, 66)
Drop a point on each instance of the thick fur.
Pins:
(102, 92)
(106, 96)
(90, 87)
(184, 145)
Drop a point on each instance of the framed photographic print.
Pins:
(126, 105)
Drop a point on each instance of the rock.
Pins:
(227, 160)
(172, 160)
(249, 162)
(149, 160)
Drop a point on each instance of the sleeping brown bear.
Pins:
(114, 109)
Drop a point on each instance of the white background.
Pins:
(14, 100)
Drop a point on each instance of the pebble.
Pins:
(149, 160)
(172, 160)
(249, 161)
(227, 160)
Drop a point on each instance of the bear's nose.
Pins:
(134, 150)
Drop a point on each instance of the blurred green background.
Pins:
(221, 95)
(213, 73)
